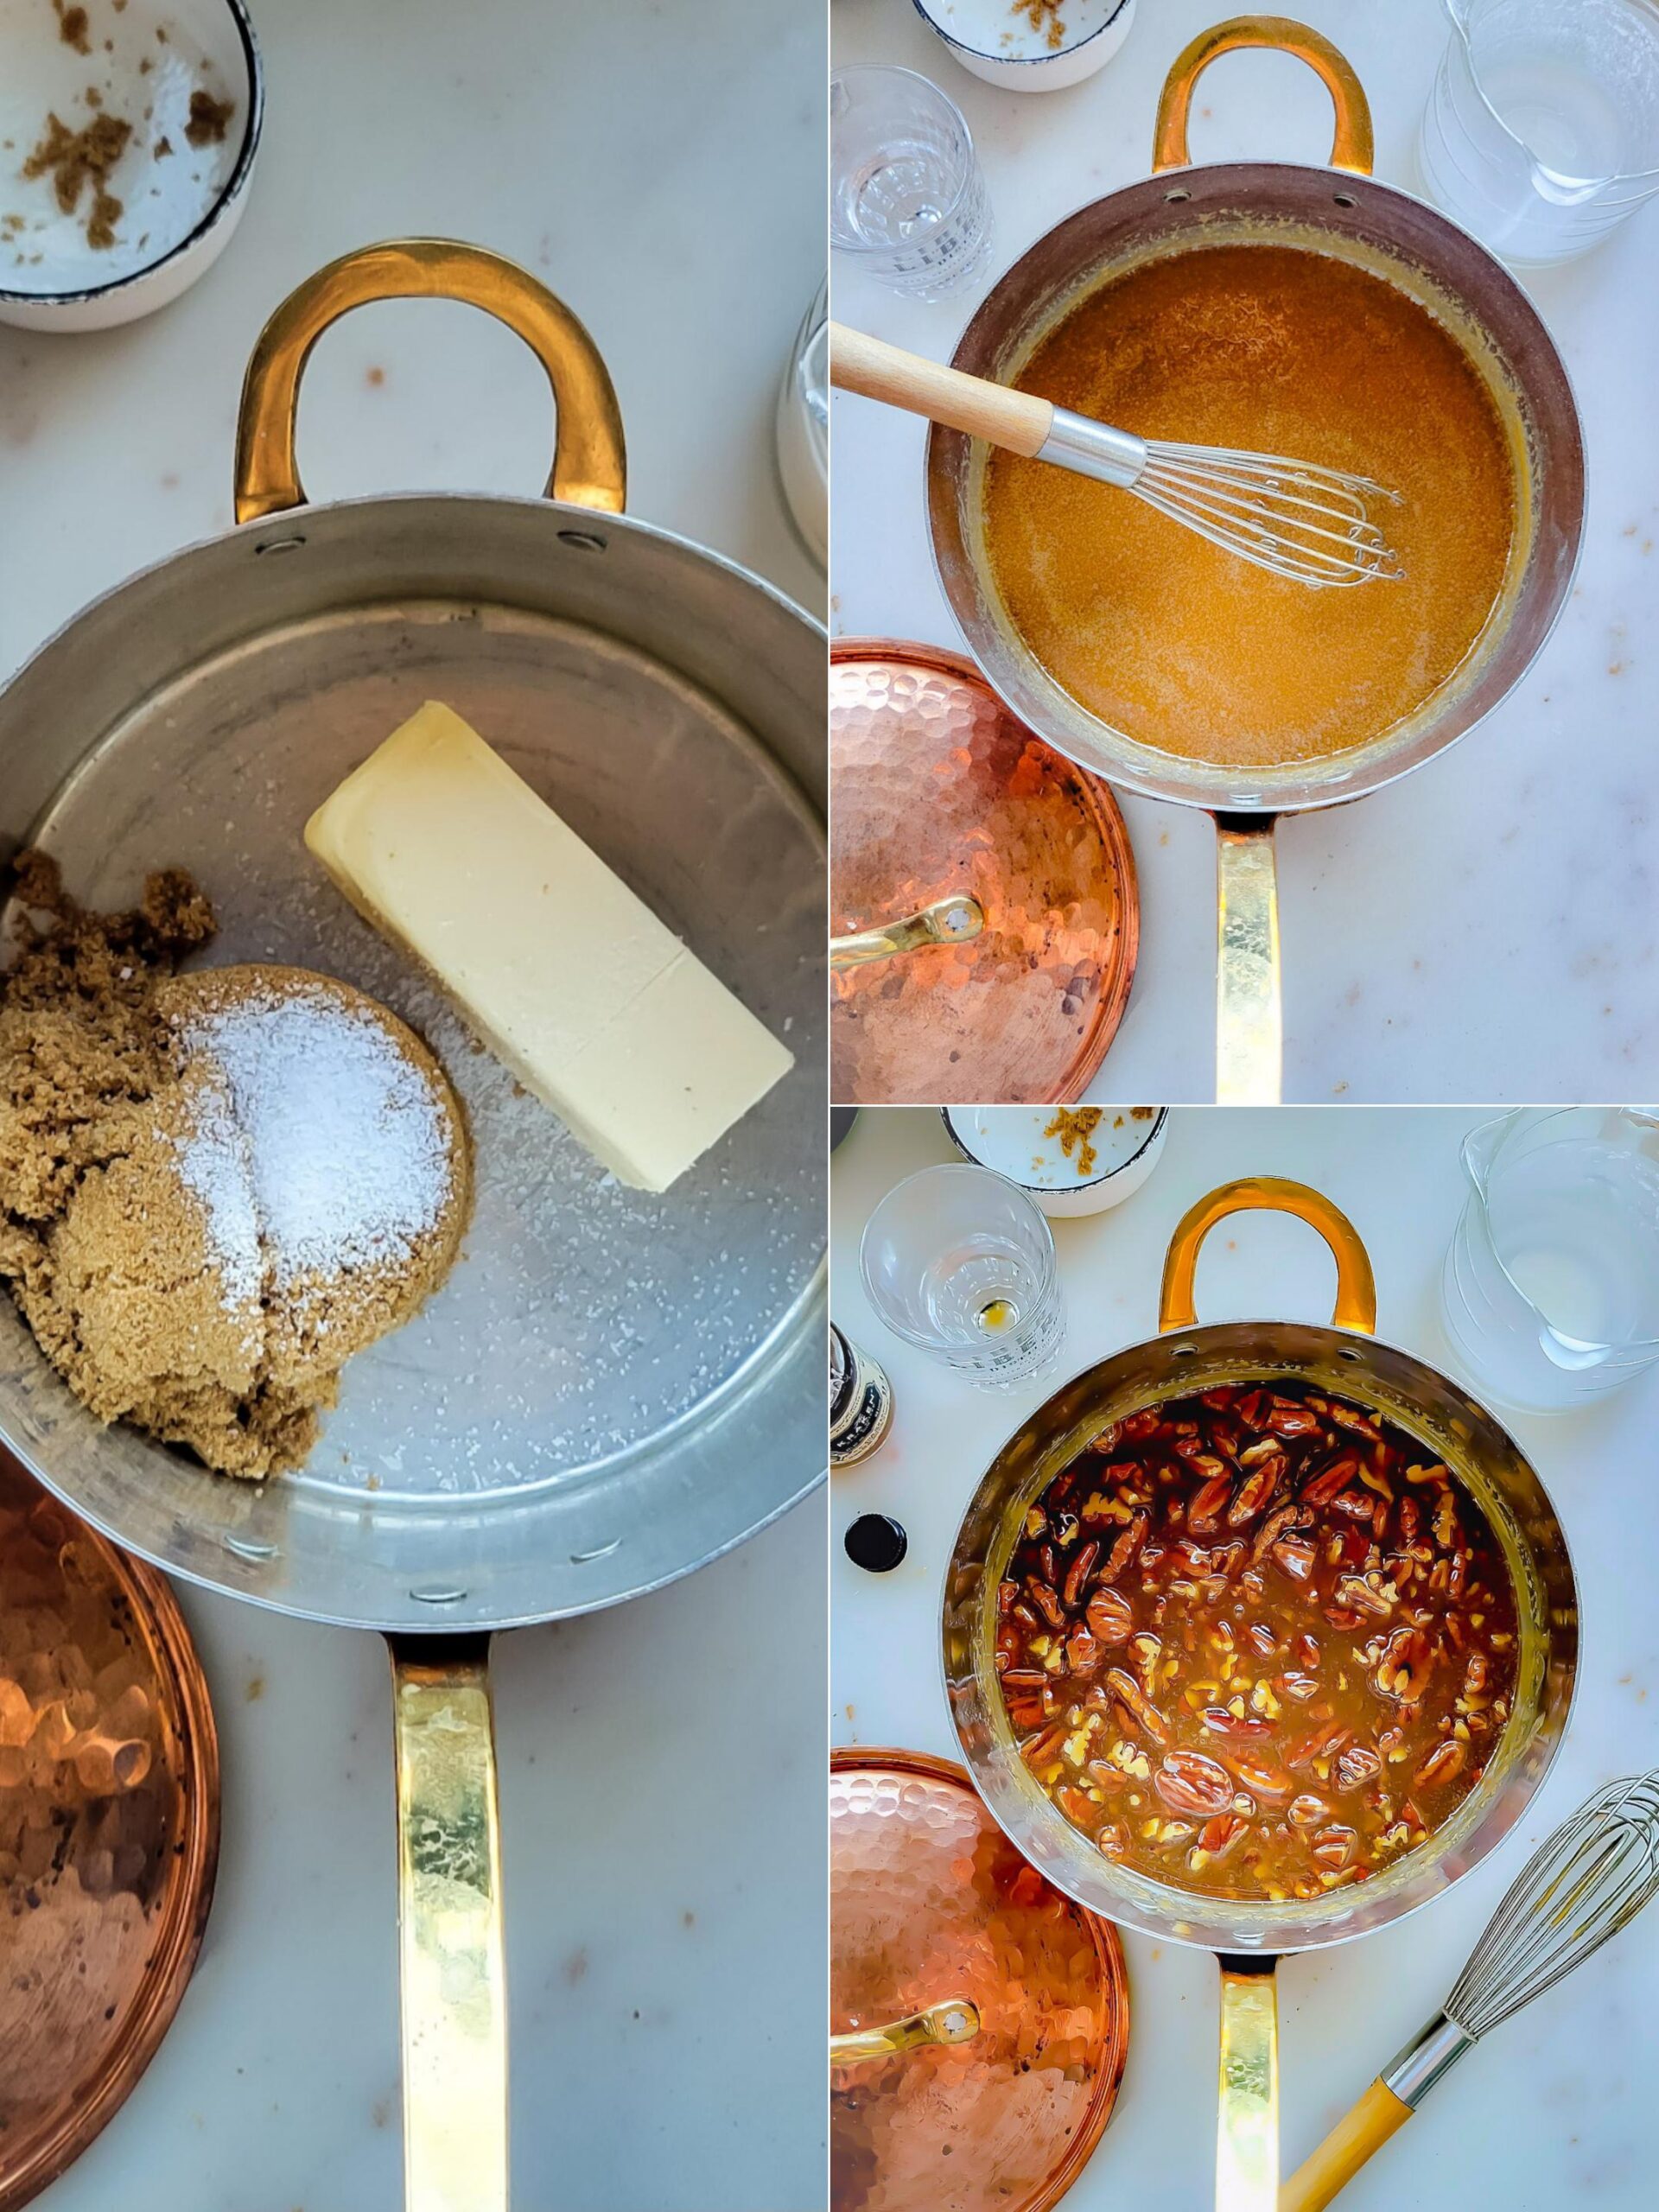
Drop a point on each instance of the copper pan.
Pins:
(1248, 1935)
(1340, 209)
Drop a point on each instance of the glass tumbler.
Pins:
(1550, 1290)
(1542, 131)
(906, 198)
(802, 428)
(960, 1263)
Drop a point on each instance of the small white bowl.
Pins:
(140, 64)
(1012, 1142)
(997, 41)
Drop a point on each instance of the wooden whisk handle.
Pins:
(1377, 2115)
(1016, 420)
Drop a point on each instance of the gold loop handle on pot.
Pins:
(1247, 2117)
(1356, 1306)
(589, 460)
(449, 1922)
(1352, 148)
(953, 2020)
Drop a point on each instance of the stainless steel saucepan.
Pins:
(613, 1387)
(1250, 1935)
(1340, 210)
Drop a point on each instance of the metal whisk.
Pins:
(1294, 518)
(1580, 1886)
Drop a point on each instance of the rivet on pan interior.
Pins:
(437, 1596)
(1179, 194)
(244, 1547)
(1183, 1351)
(585, 541)
(600, 1551)
(288, 544)
(1344, 200)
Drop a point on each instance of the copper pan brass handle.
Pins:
(956, 920)
(1247, 2121)
(455, 1997)
(1249, 1015)
(589, 462)
(1356, 1306)
(1352, 147)
(955, 2021)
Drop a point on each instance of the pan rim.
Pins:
(374, 1624)
(280, 531)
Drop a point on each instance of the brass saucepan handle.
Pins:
(589, 461)
(1356, 1306)
(455, 1997)
(1249, 1019)
(955, 2021)
(956, 920)
(1352, 148)
(1247, 2125)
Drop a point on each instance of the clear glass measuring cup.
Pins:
(1542, 131)
(1550, 1291)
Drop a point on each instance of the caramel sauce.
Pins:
(1186, 648)
(1257, 1643)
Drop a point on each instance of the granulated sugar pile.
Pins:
(215, 1187)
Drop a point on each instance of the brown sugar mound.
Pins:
(167, 1145)
(356, 1161)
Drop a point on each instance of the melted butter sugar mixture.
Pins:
(1186, 648)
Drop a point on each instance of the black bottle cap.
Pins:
(876, 1542)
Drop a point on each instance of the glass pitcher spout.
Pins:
(1482, 1145)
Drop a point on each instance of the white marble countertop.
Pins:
(1489, 927)
(1556, 2108)
(662, 1779)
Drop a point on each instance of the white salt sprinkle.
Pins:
(345, 1145)
(214, 1164)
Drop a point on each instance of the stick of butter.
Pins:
(568, 978)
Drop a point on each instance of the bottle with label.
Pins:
(860, 1402)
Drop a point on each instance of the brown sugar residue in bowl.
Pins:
(1075, 1127)
(1043, 16)
(71, 27)
(74, 159)
(209, 118)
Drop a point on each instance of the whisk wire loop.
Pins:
(1298, 520)
(1580, 1888)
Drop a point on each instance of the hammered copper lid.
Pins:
(109, 1827)
(932, 1908)
(938, 793)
